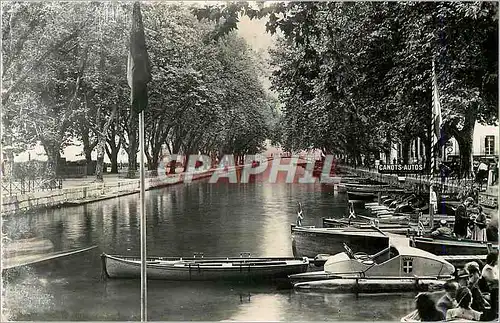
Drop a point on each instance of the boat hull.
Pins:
(311, 242)
(361, 196)
(386, 227)
(443, 247)
(371, 285)
(205, 269)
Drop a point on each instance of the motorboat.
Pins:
(397, 268)
(206, 269)
(309, 241)
(364, 224)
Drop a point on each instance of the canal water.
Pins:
(216, 219)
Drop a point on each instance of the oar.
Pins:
(29, 260)
(376, 228)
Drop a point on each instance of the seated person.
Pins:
(464, 310)
(489, 277)
(492, 230)
(490, 271)
(448, 300)
(442, 230)
(479, 303)
(425, 311)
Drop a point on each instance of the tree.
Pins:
(355, 77)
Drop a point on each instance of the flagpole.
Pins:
(138, 75)
(143, 222)
(434, 141)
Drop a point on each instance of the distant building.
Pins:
(485, 144)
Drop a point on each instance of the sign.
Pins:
(401, 169)
(407, 265)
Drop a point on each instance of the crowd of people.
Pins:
(473, 296)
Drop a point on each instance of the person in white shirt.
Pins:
(490, 270)
(433, 199)
(489, 275)
(482, 173)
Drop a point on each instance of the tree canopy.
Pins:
(355, 77)
(64, 77)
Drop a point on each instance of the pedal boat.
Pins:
(398, 268)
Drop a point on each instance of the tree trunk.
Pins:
(87, 146)
(113, 158)
(112, 153)
(387, 152)
(114, 148)
(405, 146)
(100, 159)
(53, 156)
(153, 166)
(465, 148)
(464, 140)
(101, 146)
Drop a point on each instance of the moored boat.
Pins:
(360, 224)
(212, 269)
(360, 196)
(396, 268)
(452, 246)
(311, 241)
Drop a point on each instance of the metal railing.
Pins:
(23, 186)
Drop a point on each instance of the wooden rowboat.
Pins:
(208, 269)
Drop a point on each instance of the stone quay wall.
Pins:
(90, 193)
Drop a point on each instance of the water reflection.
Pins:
(216, 219)
(261, 307)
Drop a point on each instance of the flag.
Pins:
(436, 120)
(138, 67)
